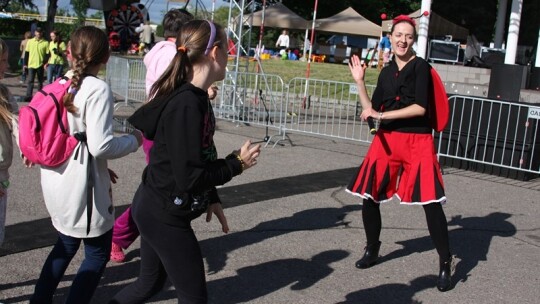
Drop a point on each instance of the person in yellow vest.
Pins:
(36, 55)
(57, 51)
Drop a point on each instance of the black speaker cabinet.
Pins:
(534, 80)
(492, 138)
(440, 50)
(492, 56)
(506, 81)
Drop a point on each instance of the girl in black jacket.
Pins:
(179, 182)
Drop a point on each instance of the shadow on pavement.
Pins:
(40, 233)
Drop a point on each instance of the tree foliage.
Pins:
(24, 4)
(80, 7)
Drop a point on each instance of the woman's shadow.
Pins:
(256, 281)
(217, 249)
(469, 242)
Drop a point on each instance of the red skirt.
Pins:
(400, 164)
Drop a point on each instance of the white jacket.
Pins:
(64, 187)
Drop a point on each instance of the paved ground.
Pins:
(295, 234)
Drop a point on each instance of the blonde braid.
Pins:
(79, 68)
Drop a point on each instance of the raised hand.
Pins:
(357, 68)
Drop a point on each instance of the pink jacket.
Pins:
(156, 62)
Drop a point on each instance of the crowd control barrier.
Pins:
(491, 136)
(485, 135)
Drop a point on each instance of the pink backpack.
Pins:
(43, 127)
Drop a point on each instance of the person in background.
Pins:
(283, 40)
(57, 51)
(8, 130)
(125, 230)
(385, 47)
(36, 56)
(401, 161)
(179, 183)
(22, 48)
(77, 218)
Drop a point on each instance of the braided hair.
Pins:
(89, 47)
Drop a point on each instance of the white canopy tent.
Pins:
(348, 21)
(278, 16)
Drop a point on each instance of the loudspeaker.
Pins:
(440, 50)
(102, 5)
(534, 80)
(506, 81)
(492, 56)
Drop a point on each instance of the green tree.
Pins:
(52, 5)
(221, 15)
(24, 4)
(80, 7)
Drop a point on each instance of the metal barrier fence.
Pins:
(318, 107)
(491, 136)
(126, 77)
(327, 108)
(257, 100)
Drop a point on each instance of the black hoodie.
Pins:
(183, 161)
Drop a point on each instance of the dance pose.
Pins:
(401, 160)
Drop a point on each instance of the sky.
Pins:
(157, 7)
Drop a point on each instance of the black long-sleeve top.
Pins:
(183, 160)
(398, 89)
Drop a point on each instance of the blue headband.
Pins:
(212, 39)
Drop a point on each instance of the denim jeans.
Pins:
(31, 76)
(54, 71)
(97, 253)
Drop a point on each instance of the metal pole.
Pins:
(310, 50)
(537, 61)
(499, 26)
(513, 32)
(423, 30)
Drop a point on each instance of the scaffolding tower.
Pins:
(239, 33)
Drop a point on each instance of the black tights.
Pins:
(436, 221)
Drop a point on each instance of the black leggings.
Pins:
(166, 251)
(436, 221)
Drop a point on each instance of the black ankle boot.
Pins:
(444, 283)
(370, 256)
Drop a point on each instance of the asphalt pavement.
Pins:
(296, 234)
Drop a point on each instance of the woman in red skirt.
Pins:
(401, 161)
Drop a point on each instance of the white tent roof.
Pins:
(438, 26)
(348, 22)
(280, 16)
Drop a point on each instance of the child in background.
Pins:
(8, 129)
